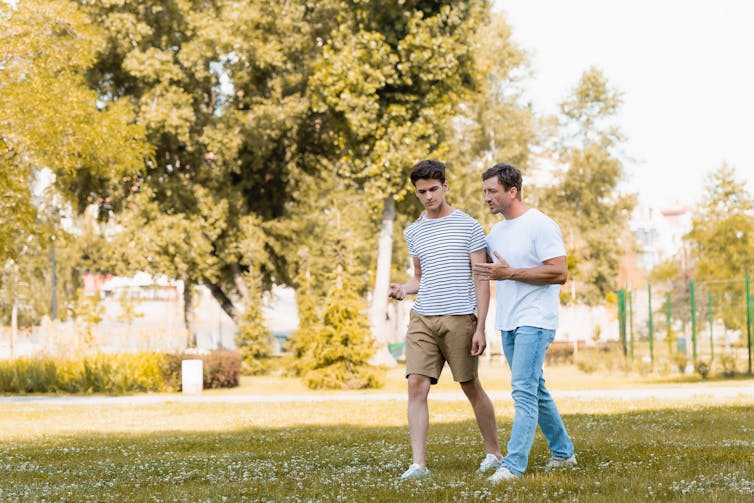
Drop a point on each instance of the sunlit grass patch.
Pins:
(355, 451)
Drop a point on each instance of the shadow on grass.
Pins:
(689, 454)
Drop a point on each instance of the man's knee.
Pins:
(472, 389)
(418, 386)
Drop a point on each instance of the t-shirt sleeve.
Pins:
(410, 243)
(476, 238)
(549, 241)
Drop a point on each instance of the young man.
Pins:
(443, 326)
(529, 267)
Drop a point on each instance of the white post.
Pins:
(192, 378)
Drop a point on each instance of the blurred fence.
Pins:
(704, 321)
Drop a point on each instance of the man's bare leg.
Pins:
(418, 417)
(484, 412)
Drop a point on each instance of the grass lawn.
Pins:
(699, 449)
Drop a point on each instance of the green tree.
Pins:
(722, 242)
(54, 132)
(341, 344)
(333, 265)
(585, 200)
(390, 78)
(88, 313)
(221, 89)
(253, 337)
(50, 118)
(494, 124)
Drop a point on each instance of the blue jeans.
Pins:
(525, 349)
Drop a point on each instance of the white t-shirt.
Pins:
(525, 242)
(442, 246)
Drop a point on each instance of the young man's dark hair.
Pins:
(508, 175)
(428, 169)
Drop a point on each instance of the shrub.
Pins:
(607, 356)
(340, 376)
(702, 368)
(587, 364)
(559, 353)
(728, 362)
(110, 373)
(114, 373)
(220, 369)
(680, 360)
(27, 375)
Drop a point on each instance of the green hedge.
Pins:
(114, 373)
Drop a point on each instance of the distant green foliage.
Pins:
(50, 118)
(114, 373)
(585, 201)
(253, 338)
(722, 242)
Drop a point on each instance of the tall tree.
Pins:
(494, 124)
(390, 77)
(586, 201)
(722, 240)
(50, 118)
(333, 341)
(221, 88)
(54, 132)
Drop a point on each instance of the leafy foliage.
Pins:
(50, 118)
(722, 240)
(338, 352)
(334, 342)
(253, 337)
(585, 200)
(494, 124)
(93, 374)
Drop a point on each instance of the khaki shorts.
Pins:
(433, 340)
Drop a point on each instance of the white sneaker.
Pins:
(561, 463)
(415, 472)
(501, 475)
(490, 463)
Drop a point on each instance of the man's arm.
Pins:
(553, 271)
(410, 287)
(479, 340)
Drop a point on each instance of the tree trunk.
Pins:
(187, 297)
(240, 283)
(225, 302)
(378, 312)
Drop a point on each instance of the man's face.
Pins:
(497, 198)
(431, 192)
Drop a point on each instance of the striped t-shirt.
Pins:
(442, 246)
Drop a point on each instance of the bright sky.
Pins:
(686, 70)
